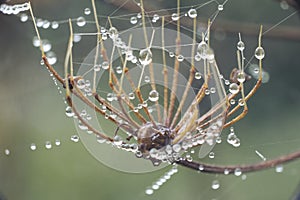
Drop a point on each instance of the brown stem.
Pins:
(230, 169)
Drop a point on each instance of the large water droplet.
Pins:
(240, 46)
(192, 13)
(33, 147)
(153, 95)
(133, 20)
(237, 172)
(80, 21)
(175, 17)
(23, 17)
(198, 75)
(149, 191)
(105, 65)
(202, 49)
(215, 185)
(48, 145)
(220, 7)
(259, 53)
(69, 111)
(233, 88)
(51, 56)
(87, 11)
(113, 33)
(54, 25)
(75, 138)
(145, 56)
(279, 168)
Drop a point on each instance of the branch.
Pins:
(230, 169)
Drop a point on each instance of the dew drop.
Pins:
(113, 33)
(46, 24)
(232, 101)
(147, 79)
(198, 75)
(233, 88)
(36, 41)
(75, 138)
(241, 102)
(80, 21)
(54, 25)
(192, 13)
(48, 145)
(202, 49)
(211, 155)
(145, 56)
(215, 185)
(105, 65)
(155, 17)
(81, 83)
(100, 139)
(131, 96)
(119, 70)
(153, 96)
(133, 20)
(175, 17)
(237, 172)
(23, 17)
(259, 53)
(33, 147)
(201, 167)
(69, 111)
(220, 7)
(241, 77)
(97, 68)
(279, 168)
(46, 45)
(57, 142)
(240, 46)
(7, 152)
(226, 171)
(87, 11)
(180, 58)
(51, 56)
(77, 38)
(149, 191)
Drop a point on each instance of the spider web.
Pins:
(271, 133)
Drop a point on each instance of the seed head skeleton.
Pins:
(177, 125)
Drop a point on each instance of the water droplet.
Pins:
(192, 13)
(110, 97)
(36, 41)
(241, 102)
(201, 167)
(259, 53)
(145, 56)
(105, 65)
(226, 171)
(175, 17)
(97, 68)
(236, 142)
(57, 142)
(211, 155)
(80, 21)
(131, 96)
(233, 88)
(54, 25)
(113, 33)
(118, 140)
(87, 11)
(119, 70)
(202, 49)
(180, 58)
(210, 56)
(279, 168)
(147, 79)
(33, 147)
(198, 75)
(240, 46)
(7, 152)
(75, 138)
(149, 191)
(46, 45)
(76, 38)
(153, 96)
(220, 7)
(215, 185)
(241, 77)
(69, 111)
(51, 56)
(46, 24)
(81, 83)
(218, 140)
(232, 101)
(212, 90)
(48, 145)
(23, 17)
(237, 172)
(284, 5)
(231, 138)
(139, 15)
(133, 20)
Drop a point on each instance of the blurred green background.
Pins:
(32, 111)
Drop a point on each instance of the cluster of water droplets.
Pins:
(163, 179)
(233, 139)
(14, 9)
